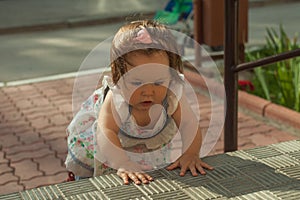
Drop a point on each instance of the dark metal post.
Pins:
(230, 77)
(198, 30)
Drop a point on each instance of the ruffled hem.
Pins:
(164, 137)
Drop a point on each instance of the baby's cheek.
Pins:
(162, 92)
(133, 98)
(130, 95)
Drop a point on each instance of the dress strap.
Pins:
(167, 119)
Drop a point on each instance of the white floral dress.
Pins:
(156, 146)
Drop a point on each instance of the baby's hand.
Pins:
(136, 177)
(132, 171)
(190, 162)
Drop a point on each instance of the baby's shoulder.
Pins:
(173, 103)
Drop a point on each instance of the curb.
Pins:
(71, 23)
(260, 106)
(101, 20)
(262, 3)
(50, 78)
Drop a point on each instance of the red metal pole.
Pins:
(198, 30)
(230, 77)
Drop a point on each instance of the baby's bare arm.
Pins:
(188, 126)
(107, 135)
(110, 145)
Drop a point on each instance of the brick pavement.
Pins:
(33, 119)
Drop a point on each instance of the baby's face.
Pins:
(147, 80)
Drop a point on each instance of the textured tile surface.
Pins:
(235, 177)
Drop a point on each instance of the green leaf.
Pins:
(260, 75)
(278, 82)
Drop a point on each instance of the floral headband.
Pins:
(144, 37)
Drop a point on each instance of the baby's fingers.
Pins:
(173, 165)
(193, 170)
(136, 179)
(183, 170)
(206, 166)
(200, 169)
(145, 178)
(201, 166)
(124, 177)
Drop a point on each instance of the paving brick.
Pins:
(66, 109)
(7, 177)
(58, 100)
(248, 124)
(65, 90)
(18, 98)
(44, 114)
(282, 136)
(54, 130)
(24, 104)
(205, 112)
(9, 90)
(69, 81)
(28, 166)
(20, 127)
(5, 102)
(8, 107)
(243, 117)
(29, 137)
(34, 109)
(5, 129)
(40, 181)
(4, 98)
(3, 160)
(255, 130)
(26, 148)
(55, 136)
(35, 98)
(202, 98)
(4, 168)
(19, 157)
(245, 146)
(11, 187)
(203, 105)
(58, 145)
(262, 139)
(40, 102)
(50, 92)
(50, 165)
(58, 119)
(45, 85)
(204, 123)
(26, 88)
(41, 123)
(13, 116)
(62, 157)
(9, 140)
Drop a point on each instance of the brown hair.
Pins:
(124, 43)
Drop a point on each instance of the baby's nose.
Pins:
(148, 89)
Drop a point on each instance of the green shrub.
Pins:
(278, 82)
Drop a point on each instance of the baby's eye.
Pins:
(136, 83)
(159, 83)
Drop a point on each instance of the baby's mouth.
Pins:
(147, 103)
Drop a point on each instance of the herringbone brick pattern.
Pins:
(33, 119)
